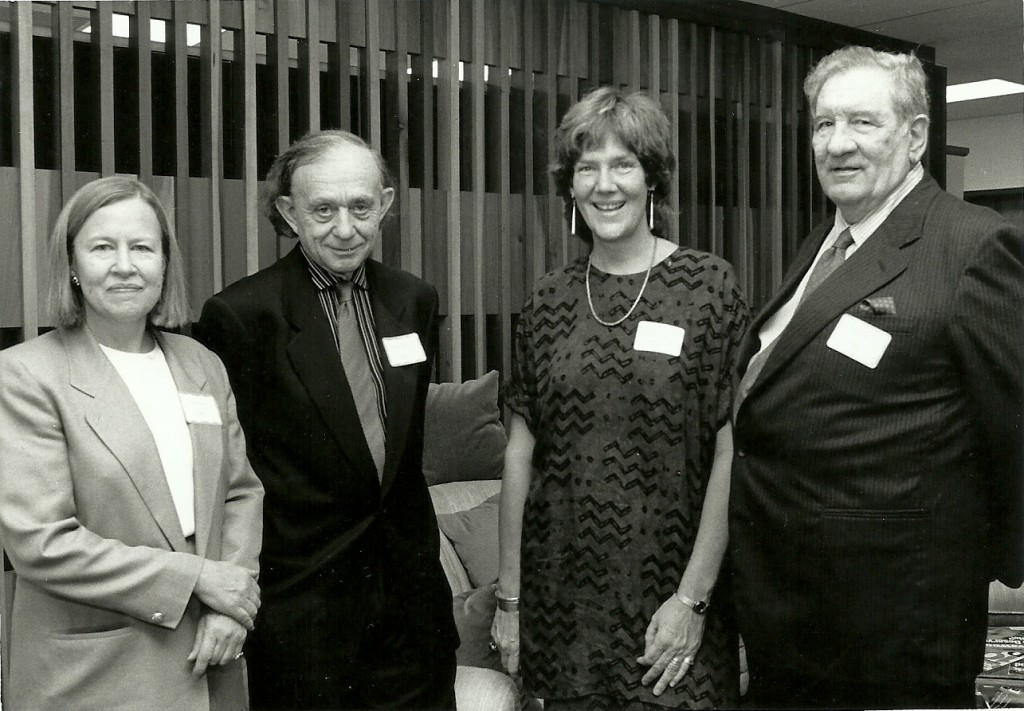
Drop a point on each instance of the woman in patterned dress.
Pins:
(613, 507)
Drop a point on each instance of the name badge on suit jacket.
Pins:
(859, 340)
(404, 350)
(659, 338)
(200, 409)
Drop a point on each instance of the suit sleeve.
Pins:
(988, 334)
(243, 506)
(39, 525)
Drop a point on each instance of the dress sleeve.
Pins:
(734, 320)
(521, 388)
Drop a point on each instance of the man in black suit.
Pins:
(329, 354)
(877, 482)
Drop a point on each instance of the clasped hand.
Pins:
(230, 590)
(671, 643)
(219, 640)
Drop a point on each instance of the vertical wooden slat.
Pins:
(556, 245)
(452, 186)
(633, 51)
(179, 49)
(714, 244)
(763, 245)
(281, 61)
(743, 234)
(424, 68)
(25, 160)
(673, 111)
(311, 63)
(693, 209)
(410, 247)
(63, 15)
(594, 46)
(479, 189)
(140, 41)
(793, 227)
(212, 137)
(343, 62)
(250, 176)
(575, 19)
(532, 238)
(654, 56)
(776, 162)
(505, 187)
(103, 40)
(373, 87)
(730, 121)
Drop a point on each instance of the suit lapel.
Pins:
(117, 422)
(314, 356)
(207, 440)
(399, 383)
(880, 260)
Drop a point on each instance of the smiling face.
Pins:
(610, 190)
(862, 148)
(336, 207)
(118, 258)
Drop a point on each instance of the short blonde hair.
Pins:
(66, 305)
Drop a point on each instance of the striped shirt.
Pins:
(326, 286)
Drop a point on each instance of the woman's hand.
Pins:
(505, 633)
(219, 640)
(229, 589)
(671, 643)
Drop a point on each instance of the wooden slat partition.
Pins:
(728, 76)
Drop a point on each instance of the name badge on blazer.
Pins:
(659, 338)
(200, 409)
(859, 340)
(404, 350)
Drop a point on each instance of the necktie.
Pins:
(830, 260)
(357, 370)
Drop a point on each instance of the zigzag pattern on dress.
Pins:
(624, 444)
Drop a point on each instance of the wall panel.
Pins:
(462, 96)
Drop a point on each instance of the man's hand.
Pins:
(229, 589)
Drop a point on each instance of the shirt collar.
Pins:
(323, 279)
(874, 219)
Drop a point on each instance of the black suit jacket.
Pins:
(870, 507)
(369, 547)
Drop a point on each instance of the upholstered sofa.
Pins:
(463, 459)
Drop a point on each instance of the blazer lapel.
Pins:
(314, 356)
(207, 440)
(399, 383)
(880, 260)
(117, 422)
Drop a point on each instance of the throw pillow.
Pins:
(463, 438)
(474, 533)
(474, 613)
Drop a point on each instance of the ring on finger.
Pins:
(494, 646)
(675, 661)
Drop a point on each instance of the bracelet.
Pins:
(507, 604)
(698, 606)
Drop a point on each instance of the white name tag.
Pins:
(659, 338)
(404, 350)
(859, 340)
(200, 409)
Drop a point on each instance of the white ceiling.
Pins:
(973, 39)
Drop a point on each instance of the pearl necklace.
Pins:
(647, 276)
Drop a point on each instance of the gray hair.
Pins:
(909, 83)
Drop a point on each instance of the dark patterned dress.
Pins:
(624, 445)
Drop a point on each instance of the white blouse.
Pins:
(151, 384)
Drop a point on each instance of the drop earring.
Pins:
(650, 211)
(572, 220)
(74, 280)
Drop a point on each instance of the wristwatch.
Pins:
(698, 606)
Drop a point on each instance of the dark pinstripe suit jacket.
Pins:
(870, 507)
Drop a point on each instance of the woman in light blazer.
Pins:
(128, 510)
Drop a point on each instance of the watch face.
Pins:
(700, 607)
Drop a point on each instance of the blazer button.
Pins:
(157, 617)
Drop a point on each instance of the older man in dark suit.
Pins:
(877, 484)
(330, 353)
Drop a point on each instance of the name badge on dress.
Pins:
(200, 409)
(859, 340)
(404, 350)
(659, 338)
